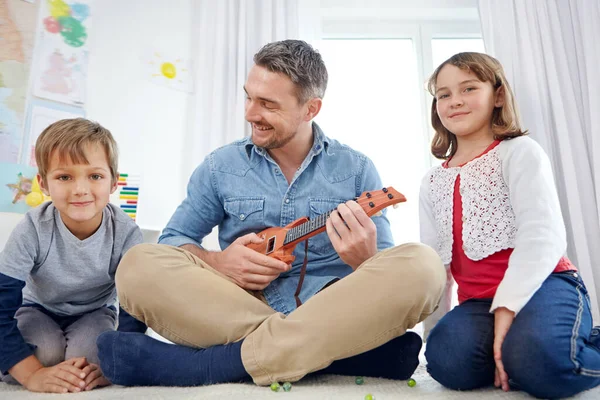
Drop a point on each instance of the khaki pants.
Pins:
(185, 300)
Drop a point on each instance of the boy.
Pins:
(57, 270)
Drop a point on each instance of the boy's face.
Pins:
(80, 191)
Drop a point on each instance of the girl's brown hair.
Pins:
(505, 119)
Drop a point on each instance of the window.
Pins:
(444, 48)
(376, 100)
(372, 105)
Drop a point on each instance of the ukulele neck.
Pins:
(307, 229)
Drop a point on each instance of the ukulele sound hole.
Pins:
(271, 245)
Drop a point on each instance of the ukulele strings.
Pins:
(321, 220)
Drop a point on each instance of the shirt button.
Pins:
(276, 171)
(242, 216)
(287, 201)
(575, 275)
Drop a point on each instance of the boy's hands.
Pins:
(67, 376)
(73, 375)
(94, 377)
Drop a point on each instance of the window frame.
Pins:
(421, 32)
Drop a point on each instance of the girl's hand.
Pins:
(503, 319)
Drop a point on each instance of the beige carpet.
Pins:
(322, 387)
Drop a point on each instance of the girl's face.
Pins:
(464, 103)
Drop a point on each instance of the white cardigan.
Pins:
(509, 201)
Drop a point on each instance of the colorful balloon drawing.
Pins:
(72, 31)
(67, 20)
(80, 11)
(58, 8)
(51, 24)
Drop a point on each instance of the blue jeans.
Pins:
(551, 350)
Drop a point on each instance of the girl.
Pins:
(492, 213)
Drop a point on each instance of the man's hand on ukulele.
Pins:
(250, 269)
(352, 233)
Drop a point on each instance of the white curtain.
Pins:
(226, 35)
(551, 53)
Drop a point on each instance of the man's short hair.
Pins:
(300, 62)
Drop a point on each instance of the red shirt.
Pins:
(480, 279)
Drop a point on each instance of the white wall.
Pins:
(147, 120)
(150, 122)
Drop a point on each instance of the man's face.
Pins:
(272, 108)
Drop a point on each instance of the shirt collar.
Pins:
(320, 142)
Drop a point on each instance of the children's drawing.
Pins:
(172, 72)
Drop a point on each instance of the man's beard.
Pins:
(276, 142)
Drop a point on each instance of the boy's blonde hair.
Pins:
(69, 137)
(505, 119)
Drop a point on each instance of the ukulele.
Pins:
(280, 242)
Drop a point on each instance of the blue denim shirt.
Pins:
(241, 189)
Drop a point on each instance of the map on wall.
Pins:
(63, 56)
(17, 36)
(62, 73)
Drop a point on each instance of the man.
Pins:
(235, 313)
